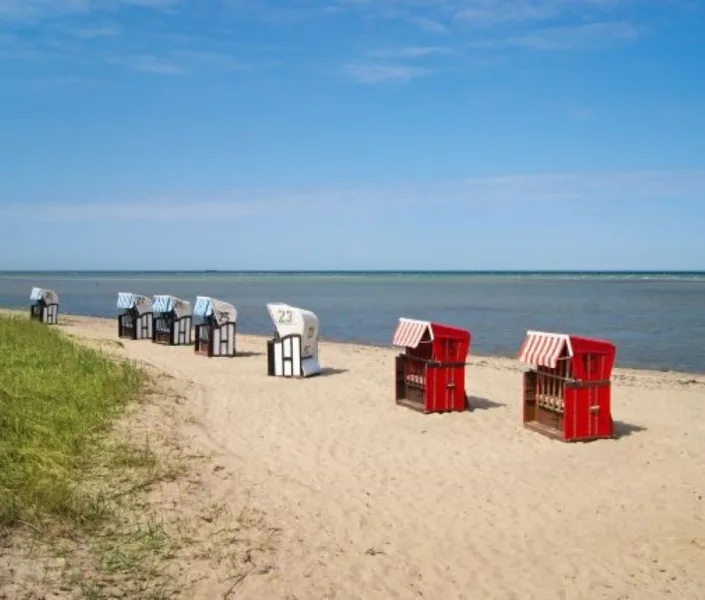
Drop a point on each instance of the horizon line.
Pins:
(328, 271)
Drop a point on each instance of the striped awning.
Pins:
(164, 303)
(125, 300)
(223, 312)
(128, 300)
(409, 332)
(544, 349)
(203, 307)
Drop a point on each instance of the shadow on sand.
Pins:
(327, 371)
(475, 403)
(622, 429)
(248, 354)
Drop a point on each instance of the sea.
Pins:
(656, 319)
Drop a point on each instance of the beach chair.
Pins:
(45, 306)
(293, 351)
(215, 336)
(136, 321)
(172, 321)
(567, 393)
(430, 374)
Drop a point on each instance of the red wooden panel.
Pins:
(593, 360)
(588, 413)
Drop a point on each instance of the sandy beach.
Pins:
(377, 501)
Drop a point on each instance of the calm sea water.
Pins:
(657, 320)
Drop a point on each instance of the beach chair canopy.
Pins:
(443, 343)
(545, 349)
(164, 303)
(127, 300)
(48, 296)
(410, 332)
(590, 358)
(290, 320)
(223, 312)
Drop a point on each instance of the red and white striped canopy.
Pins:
(409, 332)
(544, 349)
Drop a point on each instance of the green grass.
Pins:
(75, 488)
(56, 398)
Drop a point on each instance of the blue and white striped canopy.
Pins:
(125, 300)
(203, 306)
(164, 303)
(222, 311)
(128, 300)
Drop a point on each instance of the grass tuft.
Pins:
(56, 398)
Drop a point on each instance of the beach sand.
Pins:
(372, 500)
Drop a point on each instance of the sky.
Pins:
(352, 134)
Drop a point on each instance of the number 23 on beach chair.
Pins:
(430, 374)
(293, 351)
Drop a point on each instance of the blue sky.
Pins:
(352, 134)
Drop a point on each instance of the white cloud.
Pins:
(584, 37)
(219, 60)
(494, 12)
(94, 44)
(157, 4)
(574, 188)
(97, 30)
(178, 62)
(148, 63)
(480, 12)
(486, 27)
(438, 15)
(492, 27)
(428, 25)
(383, 73)
(42, 9)
(412, 52)
(373, 72)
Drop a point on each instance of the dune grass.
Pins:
(76, 491)
(56, 398)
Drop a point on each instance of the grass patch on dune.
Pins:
(98, 500)
(56, 398)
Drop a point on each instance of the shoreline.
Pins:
(619, 373)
